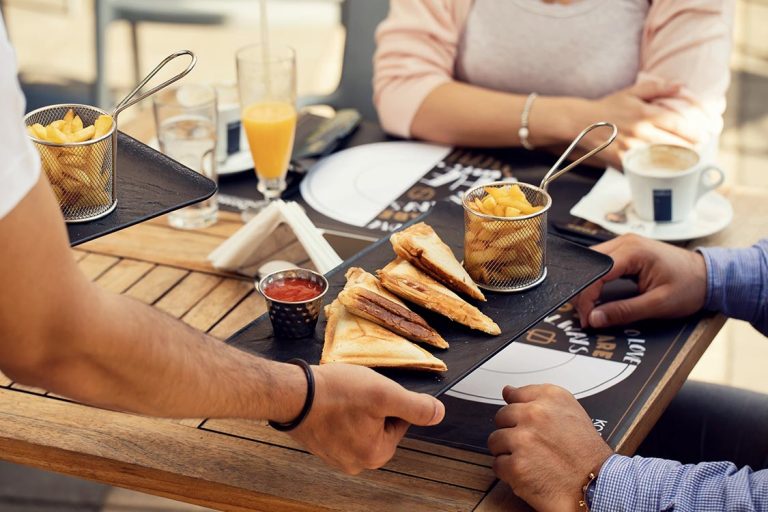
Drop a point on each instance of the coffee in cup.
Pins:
(666, 181)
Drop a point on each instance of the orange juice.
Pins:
(270, 127)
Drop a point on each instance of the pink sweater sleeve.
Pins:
(689, 42)
(684, 41)
(415, 52)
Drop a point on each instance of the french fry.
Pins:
(55, 134)
(76, 124)
(103, 125)
(83, 134)
(511, 198)
(72, 160)
(39, 131)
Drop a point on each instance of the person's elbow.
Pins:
(389, 110)
(38, 347)
(34, 358)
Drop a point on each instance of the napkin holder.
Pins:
(254, 244)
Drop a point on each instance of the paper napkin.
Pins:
(243, 251)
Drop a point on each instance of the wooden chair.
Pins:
(359, 17)
(191, 12)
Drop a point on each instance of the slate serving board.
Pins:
(148, 184)
(570, 268)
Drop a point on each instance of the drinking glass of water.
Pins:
(185, 118)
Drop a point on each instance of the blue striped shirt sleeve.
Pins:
(737, 283)
(640, 484)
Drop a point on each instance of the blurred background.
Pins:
(58, 43)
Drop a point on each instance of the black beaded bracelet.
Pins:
(285, 427)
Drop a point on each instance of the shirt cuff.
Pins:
(733, 280)
(635, 483)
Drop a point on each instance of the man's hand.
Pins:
(545, 446)
(639, 121)
(359, 417)
(672, 283)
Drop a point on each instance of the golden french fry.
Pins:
(39, 131)
(69, 116)
(103, 125)
(56, 135)
(83, 134)
(72, 160)
(489, 203)
(70, 185)
(79, 176)
(96, 159)
(497, 192)
(510, 197)
(77, 124)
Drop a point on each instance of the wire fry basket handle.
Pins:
(132, 98)
(554, 173)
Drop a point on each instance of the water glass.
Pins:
(186, 121)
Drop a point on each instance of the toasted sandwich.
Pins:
(408, 282)
(420, 245)
(355, 340)
(364, 296)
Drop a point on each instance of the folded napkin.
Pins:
(242, 252)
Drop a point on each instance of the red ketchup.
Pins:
(293, 289)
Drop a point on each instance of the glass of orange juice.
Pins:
(266, 78)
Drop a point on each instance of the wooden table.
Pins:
(241, 465)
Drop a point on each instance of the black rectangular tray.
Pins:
(570, 268)
(148, 184)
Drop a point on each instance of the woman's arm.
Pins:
(415, 51)
(416, 95)
(689, 42)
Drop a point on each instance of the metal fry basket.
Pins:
(506, 254)
(83, 175)
(509, 254)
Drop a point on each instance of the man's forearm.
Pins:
(628, 484)
(737, 283)
(61, 332)
(156, 365)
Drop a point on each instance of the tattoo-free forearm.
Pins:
(131, 357)
(456, 113)
(61, 332)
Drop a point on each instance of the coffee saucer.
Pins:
(711, 214)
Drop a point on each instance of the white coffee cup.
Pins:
(666, 181)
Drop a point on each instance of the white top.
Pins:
(567, 65)
(19, 160)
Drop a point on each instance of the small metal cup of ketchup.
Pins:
(294, 298)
